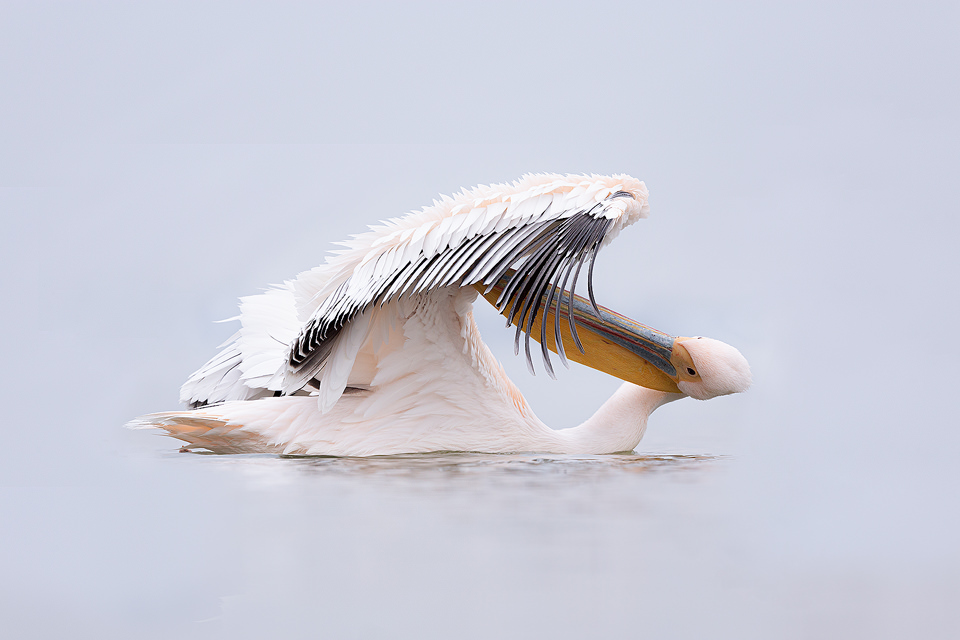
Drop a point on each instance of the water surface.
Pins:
(481, 545)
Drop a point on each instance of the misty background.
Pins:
(160, 160)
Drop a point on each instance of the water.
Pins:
(466, 544)
(446, 467)
(132, 539)
(480, 546)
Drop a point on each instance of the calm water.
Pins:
(480, 546)
(144, 542)
(464, 544)
(445, 472)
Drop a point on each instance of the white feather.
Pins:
(337, 370)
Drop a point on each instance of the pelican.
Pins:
(376, 352)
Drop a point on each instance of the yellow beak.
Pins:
(611, 343)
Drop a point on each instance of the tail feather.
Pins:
(201, 429)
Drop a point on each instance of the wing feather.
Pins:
(309, 330)
(541, 232)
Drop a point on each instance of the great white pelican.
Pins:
(376, 351)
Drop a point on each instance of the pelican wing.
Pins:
(545, 228)
(311, 329)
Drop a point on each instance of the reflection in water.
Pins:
(475, 483)
(447, 466)
(460, 545)
(554, 544)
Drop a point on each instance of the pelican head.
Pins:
(707, 368)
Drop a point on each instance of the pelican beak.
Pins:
(611, 343)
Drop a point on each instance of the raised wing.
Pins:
(310, 329)
(545, 228)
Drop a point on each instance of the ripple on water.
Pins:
(537, 502)
(448, 468)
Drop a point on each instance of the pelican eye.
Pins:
(691, 371)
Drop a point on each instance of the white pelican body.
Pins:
(376, 352)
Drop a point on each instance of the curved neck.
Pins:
(620, 423)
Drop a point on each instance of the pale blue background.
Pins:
(159, 160)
